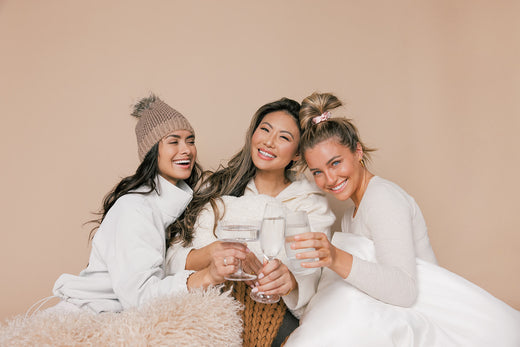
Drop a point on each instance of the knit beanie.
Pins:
(156, 120)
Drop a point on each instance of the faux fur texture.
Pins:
(199, 318)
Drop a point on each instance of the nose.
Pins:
(269, 141)
(184, 148)
(330, 178)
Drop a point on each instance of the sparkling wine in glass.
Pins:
(241, 231)
(271, 242)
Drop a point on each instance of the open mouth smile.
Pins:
(265, 154)
(182, 162)
(339, 187)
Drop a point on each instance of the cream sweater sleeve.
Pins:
(387, 217)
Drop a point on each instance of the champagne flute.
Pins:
(271, 242)
(241, 231)
(297, 223)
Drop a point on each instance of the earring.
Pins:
(362, 162)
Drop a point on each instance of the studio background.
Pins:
(434, 85)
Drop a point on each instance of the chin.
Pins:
(341, 196)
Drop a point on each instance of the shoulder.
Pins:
(132, 203)
(385, 198)
(380, 189)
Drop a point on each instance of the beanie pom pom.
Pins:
(144, 104)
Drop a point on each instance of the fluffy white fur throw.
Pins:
(199, 318)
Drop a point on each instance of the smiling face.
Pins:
(336, 169)
(177, 155)
(275, 142)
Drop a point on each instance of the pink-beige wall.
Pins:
(434, 85)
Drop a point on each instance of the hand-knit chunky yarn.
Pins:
(261, 321)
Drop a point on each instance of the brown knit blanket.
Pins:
(261, 321)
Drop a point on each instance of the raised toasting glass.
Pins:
(241, 231)
(271, 242)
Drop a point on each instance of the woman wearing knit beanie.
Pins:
(126, 265)
(261, 171)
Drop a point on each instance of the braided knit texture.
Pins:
(261, 321)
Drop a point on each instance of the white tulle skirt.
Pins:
(449, 311)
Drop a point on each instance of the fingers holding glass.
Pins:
(237, 232)
(271, 242)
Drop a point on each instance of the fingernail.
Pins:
(293, 246)
(254, 290)
(257, 284)
(260, 276)
(248, 250)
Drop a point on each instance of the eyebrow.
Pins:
(332, 159)
(328, 162)
(282, 131)
(178, 136)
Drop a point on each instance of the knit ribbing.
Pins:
(261, 321)
(157, 120)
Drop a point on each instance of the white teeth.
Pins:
(181, 162)
(338, 187)
(266, 154)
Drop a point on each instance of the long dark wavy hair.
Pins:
(144, 176)
(232, 179)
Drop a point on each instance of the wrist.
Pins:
(294, 283)
(200, 279)
(341, 263)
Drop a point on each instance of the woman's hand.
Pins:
(327, 254)
(275, 278)
(222, 260)
(252, 266)
(215, 253)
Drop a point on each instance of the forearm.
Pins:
(387, 283)
(198, 259)
(341, 262)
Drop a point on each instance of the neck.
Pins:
(270, 183)
(358, 195)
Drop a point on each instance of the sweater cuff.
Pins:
(176, 259)
(354, 270)
(185, 274)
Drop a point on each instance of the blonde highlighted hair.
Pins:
(341, 129)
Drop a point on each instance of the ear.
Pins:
(359, 151)
(296, 156)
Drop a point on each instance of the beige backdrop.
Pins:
(433, 84)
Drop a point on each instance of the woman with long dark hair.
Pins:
(261, 170)
(126, 265)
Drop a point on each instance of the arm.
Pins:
(206, 251)
(392, 278)
(135, 259)
(302, 287)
